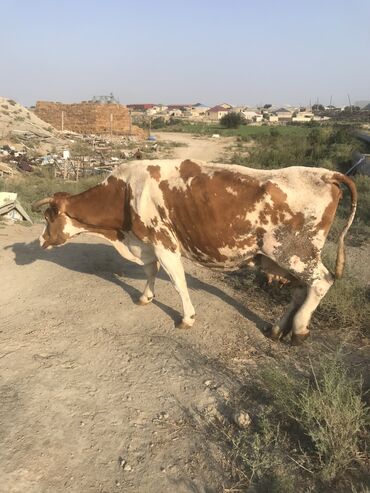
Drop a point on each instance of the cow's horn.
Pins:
(36, 205)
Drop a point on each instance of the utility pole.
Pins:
(62, 121)
(350, 104)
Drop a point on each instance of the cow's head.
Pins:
(59, 226)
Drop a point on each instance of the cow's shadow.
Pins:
(104, 261)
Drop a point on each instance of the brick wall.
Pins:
(88, 118)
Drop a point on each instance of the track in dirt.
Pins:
(202, 148)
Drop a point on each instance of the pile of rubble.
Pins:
(12, 161)
(81, 156)
(28, 143)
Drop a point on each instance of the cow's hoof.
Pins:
(297, 339)
(143, 300)
(184, 325)
(274, 332)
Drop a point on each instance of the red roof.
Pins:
(218, 108)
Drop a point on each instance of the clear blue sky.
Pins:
(179, 51)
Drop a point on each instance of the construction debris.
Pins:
(28, 143)
(10, 209)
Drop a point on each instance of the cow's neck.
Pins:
(104, 206)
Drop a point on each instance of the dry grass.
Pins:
(329, 409)
(42, 184)
(312, 434)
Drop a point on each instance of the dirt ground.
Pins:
(202, 148)
(88, 379)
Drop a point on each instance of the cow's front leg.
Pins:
(171, 262)
(151, 271)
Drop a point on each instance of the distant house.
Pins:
(284, 115)
(198, 110)
(217, 112)
(303, 117)
(252, 115)
(175, 112)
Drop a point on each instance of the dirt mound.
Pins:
(16, 120)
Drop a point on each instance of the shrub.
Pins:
(232, 120)
(158, 122)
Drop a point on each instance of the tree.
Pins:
(318, 107)
(267, 106)
(232, 120)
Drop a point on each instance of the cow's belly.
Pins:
(226, 258)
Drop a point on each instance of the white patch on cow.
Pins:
(41, 237)
(171, 262)
(319, 239)
(296, 264)
(270, 244)
(131, 248)
(71, 230)
(315, 294)
(232, 191)
(306, 190)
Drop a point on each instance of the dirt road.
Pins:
(101, 395)
(203, 148)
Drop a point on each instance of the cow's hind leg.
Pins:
(285, 325)
(318, 286)
(171, 262)
(151, 271)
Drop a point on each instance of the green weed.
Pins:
(328, 409)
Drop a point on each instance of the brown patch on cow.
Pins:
(155, 172)
(329, 213)
(102, 209)
(189, 169)
(278, 212)
(149, 234)
(205, 218)
(104, 206)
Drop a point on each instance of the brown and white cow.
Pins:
(221, 216)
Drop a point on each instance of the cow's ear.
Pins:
(60, 200)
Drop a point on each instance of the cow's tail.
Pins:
(338, 179)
